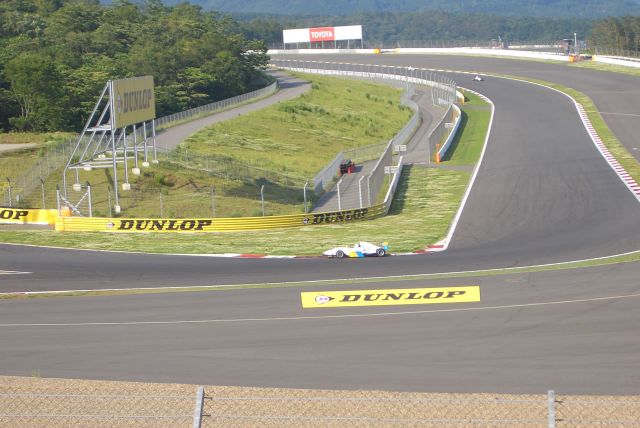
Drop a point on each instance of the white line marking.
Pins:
(369, 315)
(13, 272)
(454, 224)
(482, 272)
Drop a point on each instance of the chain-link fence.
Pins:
(95, 410)
(594, 411)
(178, 406)
(231, 169)
(621, 53)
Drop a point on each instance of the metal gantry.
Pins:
(102, 145)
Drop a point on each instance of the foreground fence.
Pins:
(243, 407)
(96, 410)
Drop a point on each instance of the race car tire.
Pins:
(340, 254)
(380, 252)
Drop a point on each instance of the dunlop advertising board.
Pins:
(133, 100)
(398, 296)
(219, 224)
(27, 216)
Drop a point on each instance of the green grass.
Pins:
(303, 135)
(33, 137)
(467, 145)
(14, 163)
(182, 193)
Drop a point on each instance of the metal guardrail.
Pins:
(205, 110)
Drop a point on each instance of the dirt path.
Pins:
(11, 147)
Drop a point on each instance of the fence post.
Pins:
(58, 198)
(304, 190)
(10, 197)
(89, 199)
(339, 199)
(42, 187)
(213, 201)
(551, 409)
(262, 198)
(360, 189)
(197, 411)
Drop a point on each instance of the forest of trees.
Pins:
(617, 33)
(570, 9)
(56, 56)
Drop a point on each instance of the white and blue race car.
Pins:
(360, 249)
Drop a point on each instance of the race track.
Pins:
(543, 195)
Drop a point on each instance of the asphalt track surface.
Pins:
(543, 195)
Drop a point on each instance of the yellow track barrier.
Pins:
(155, 225)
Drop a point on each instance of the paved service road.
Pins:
(543, 195)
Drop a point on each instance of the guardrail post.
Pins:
(304, 190)
(43, 195)
(10, 197)
(89, 199)
(213, 201)
(197, 411)
(551, 409)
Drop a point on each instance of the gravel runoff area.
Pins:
(37, 402)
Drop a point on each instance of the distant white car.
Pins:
(478, 78)
(360, 249)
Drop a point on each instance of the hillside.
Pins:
(390, 28)
(541, 8)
